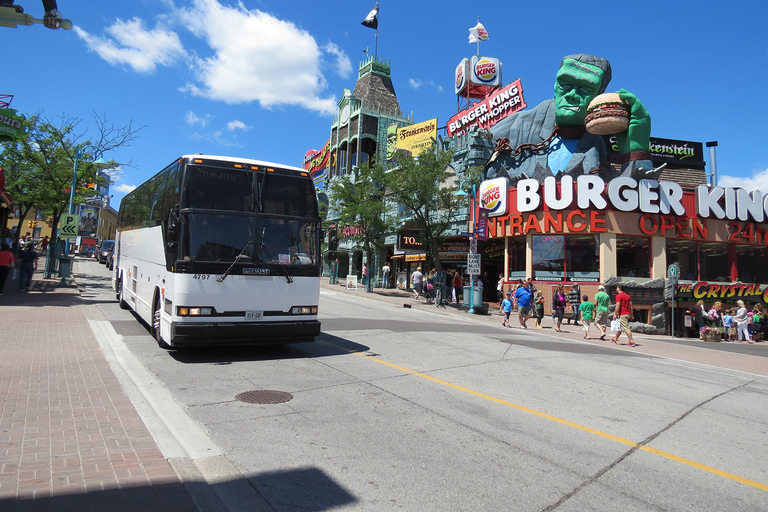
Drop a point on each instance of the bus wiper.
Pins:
(239, 256)
(271, 256)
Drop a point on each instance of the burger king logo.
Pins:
(493, 196)
(462, 70)
(485, 70)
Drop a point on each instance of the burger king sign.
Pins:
(485, 71)
(493, 196)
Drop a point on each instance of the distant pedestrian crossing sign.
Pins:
(69, 224)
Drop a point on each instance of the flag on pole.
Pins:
(372, 20)
(477, 33)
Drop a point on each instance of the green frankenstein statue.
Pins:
(551, 139)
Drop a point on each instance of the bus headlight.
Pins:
(196, 311)
(304, 310)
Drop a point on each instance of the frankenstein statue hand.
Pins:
(638, 136)
(52, 19)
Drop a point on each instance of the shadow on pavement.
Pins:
(307, 489)
(334, 346)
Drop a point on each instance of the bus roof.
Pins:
(249, 161)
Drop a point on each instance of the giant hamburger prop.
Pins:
(607, 114)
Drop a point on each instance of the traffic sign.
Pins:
(673, 271)
(473, 264)
(68, 226)
(473, 245)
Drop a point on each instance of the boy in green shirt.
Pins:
(587, 310)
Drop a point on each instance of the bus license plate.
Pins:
(254, 314)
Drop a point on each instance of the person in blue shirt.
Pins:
(506, 307)
(523, 298)
(728, 323)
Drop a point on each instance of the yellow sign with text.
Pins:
(417, 138)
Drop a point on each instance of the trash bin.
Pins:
(478, 296)
(65, 266)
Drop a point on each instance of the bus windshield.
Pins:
(222, 238)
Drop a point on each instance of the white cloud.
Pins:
(416, 83)
(343, 64)
(758, 181)
(193, 119)
(257, 57)
(237, 125)
(132, 44)
(124, 188)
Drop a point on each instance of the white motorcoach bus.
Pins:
(218, 250)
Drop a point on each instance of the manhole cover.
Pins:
(264, 396)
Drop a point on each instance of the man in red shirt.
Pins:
(623, 312)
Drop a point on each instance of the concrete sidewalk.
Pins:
(70, 439)
(734, 356)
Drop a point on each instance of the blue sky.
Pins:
(261, 79)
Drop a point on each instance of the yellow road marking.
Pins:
(682, 460)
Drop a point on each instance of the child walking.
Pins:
(539, 305)
(506, 307)
(587, 310)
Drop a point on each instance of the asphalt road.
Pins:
(406, 409)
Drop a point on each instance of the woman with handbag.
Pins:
(7, 262)
(558, 304)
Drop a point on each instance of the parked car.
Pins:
(87, 252)
(105, 250)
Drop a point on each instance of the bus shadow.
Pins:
(309, 489)
(325, 345)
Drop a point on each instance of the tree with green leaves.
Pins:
(39, 163)
(424, 189)
(358, 201)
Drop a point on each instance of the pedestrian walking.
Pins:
(416, 280)
(500, 289)
(601, 311)
(574, 299)
(7, 263)
(558, 307)
(624, 314)
(698, 315)
(538, 306)
(27, 266)
(587, 311)
(506, 308)
(456, 286)
(523, 299)
(385, 271)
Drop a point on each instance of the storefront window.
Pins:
(517, 257)
(714, 262)
(633, 256)
(548, 257)
(684, 253)
(582, 257)
(752, 264)
(575, 257)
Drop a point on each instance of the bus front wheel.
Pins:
(156, 328)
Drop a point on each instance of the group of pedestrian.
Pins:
(27, 262)
(735, 324)
(530, 302)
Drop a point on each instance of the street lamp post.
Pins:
(462, 194)
(100, 162)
